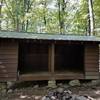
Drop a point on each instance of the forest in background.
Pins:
(49, 16)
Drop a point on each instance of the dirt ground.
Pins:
(28, 92)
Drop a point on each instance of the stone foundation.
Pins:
(52, 84)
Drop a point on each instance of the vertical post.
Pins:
(51, 59)
(51, 82)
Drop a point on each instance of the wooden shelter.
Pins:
(27, 56)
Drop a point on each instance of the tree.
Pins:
(91, 17)
(62, 14)
(49, 16)
(1, 4)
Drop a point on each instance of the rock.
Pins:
(67, 92)
(36, 86)
(80, 98)
(23, 96)
(66, 98)
(3, 92)
(60, 90)
(16, 90)
(46, 98)
(10, 84)
(3, 86)
(95, 82)
(61, 94)
(88, 97)
(60, 84)
(53, 97)
(52, 84)
(66, 86)
(37, 97)
(10, 91)
(74, 83)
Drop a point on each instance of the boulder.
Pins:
(60, 90)
(74, 83)
(36, 86)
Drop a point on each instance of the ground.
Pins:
(28, 91)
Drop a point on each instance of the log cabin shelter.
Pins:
(28, 57)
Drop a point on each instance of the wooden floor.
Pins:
(50, 76)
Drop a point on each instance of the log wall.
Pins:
(91, 61)
(8, 60)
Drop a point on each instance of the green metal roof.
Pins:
(42, 36)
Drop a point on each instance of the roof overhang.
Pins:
(44, 36)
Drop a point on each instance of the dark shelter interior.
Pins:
(69, 57)
(33, 58)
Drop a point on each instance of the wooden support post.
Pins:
(52, 57)
(49, 58)
(52, 82)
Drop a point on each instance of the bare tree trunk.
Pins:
(88, 24)
(91, 17)
(61, 10)
(28, 5)
(63, 16)
(45, 21)
(27, 10)
(17, 18)
(1, 11)
(23, 14)
(59, 6)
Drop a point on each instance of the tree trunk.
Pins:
(61, 11)
(1, 11)
(59, 15)
(91, 17)
(17, 18)
(63, 16)
(45, 6)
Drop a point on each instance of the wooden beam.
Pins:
(51, 58)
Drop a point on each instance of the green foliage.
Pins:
(47, 16)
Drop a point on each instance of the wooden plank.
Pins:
(29, 77)
(93, 52)
(92, 73)
(8, 71)
(8, 56)
(92, 56)
(3, 62)
(92, 69)
(90, 65)
(8, 75)
(11, 65)
(92, 77)
(8, 53)
(62, 77)
(5, 79)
